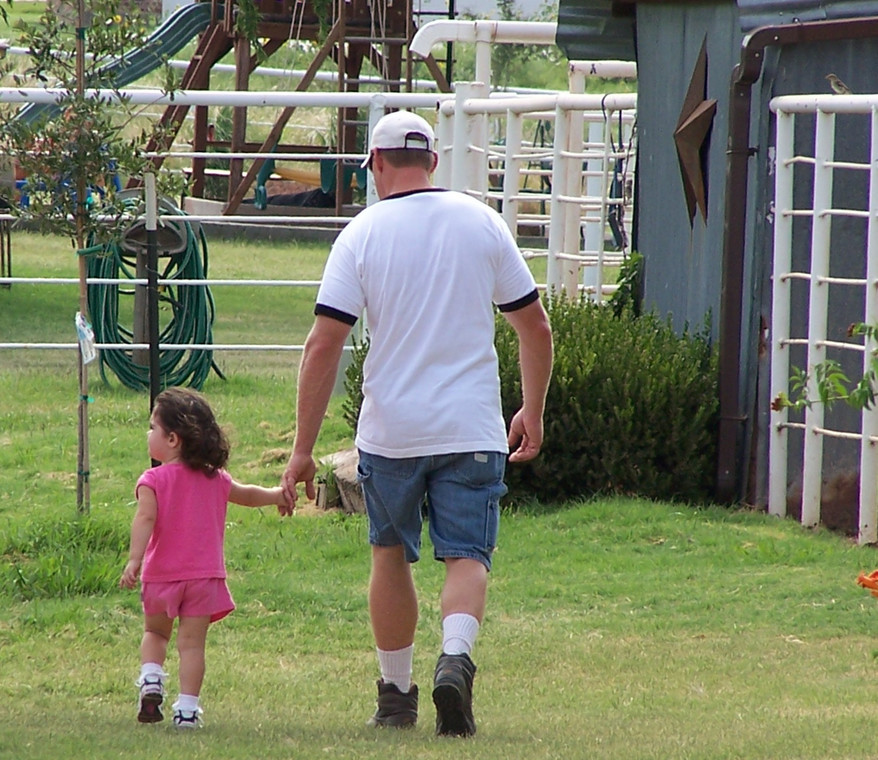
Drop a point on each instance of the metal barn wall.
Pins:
(683, 264)
(589, 30)
(683, 275)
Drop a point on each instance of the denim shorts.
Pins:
(458, 493)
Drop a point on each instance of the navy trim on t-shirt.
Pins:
(321, 310)
(521, 302)
(415, 192)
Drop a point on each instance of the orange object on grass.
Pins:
(869, 581)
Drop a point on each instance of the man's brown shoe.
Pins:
(453, 695)
(395, 709)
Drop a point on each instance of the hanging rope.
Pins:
(618, 189)
(296, 20)
(191, 308)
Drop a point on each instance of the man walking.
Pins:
(428, 267)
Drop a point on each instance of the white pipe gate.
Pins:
(466, 155)
(823, 110)
(581, 177)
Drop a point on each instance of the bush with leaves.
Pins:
(353, 382)
(632, 407)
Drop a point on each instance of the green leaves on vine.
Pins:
(831, 382)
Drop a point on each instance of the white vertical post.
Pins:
(630, 173)
(868, 534)
(556, 211)
(572, 211)
(469, 170)
(818, 304)
(478, 156)
(445, 146)
(460, 139)
(376, 111)
(778, 434)
(483, 54)
(594, 233)
(512, 170)
(576, 76)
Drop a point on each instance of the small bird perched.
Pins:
(838, 87)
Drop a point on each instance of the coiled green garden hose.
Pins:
(186, 312)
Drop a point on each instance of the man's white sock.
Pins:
(396, 667)
(459, 633)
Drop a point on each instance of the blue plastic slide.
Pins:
(167, 40)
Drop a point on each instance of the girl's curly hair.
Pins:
(184, 411)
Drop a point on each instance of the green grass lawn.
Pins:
(616, 628)
(28, 11)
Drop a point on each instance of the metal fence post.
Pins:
(818, 305)
(778, 439)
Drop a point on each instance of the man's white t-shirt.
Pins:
(427, 267)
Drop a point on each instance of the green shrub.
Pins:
(353, 382)
(632, 407)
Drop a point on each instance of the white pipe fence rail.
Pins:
(137, 281)
(823, 112)
(579, 174)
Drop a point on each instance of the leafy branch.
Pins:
(832, 383)
(247, 25)
(73, 156)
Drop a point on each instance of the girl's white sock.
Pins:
(152, 669)
(187, 703)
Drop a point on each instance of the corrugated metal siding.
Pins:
(683, 265)
(683, 276)
(589, 30)
(756, 13)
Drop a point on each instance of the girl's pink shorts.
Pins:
(197, 598)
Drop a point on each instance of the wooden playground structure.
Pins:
(351, 33)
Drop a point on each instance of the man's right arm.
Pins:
(531, 324)
(317, 373)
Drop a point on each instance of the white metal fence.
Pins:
(820, 165)
(580, 166)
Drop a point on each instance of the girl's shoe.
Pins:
(151, 696)
(187, 718)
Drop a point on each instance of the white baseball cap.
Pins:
(401, 130)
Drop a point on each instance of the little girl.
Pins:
(177, 545)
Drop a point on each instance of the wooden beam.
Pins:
(239, 113)
(212, 46)
(281, 122)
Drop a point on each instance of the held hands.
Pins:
(285, 507)
(525, 436)
(301, 469)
